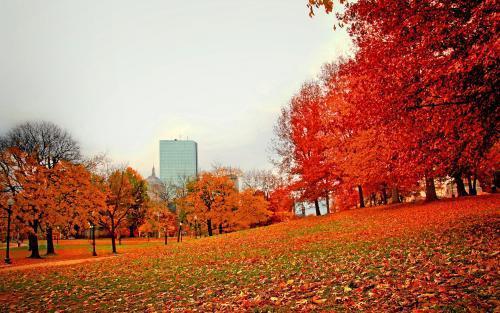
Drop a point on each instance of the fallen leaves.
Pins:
(440, 256)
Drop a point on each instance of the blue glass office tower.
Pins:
(178, 161)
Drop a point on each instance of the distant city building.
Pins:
(178, 161)
(155, 186)
(236, 181)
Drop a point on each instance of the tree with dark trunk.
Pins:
(33, 241)
(50, 243)
(113, 240)
(316, 206)
(49, 144)
(327, 200)
(209, 227)
(384, 194)
(472, 185)
(430, 189)
(460, 185)
(361, 198)
(395, 195)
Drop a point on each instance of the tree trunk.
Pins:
(220, 229)
(33, 242)
(113, 241)
(472, 186)
(327, 199)
(395, 195)
(316, 205)
(460, 185)
(209, 227)
(384, 195)
(50, 241)
(166, 237)
(35, 253)
(430, 189)
(361, 198)
(131, 231)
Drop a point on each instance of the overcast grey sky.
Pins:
(121, 75)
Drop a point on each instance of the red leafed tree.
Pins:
(301, 130)
(281, 204)
(425, 76)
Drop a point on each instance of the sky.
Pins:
(121, 75)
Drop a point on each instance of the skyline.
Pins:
(120, 76)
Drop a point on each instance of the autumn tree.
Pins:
(211, 198)
(74, 199)
(424, 78)
(252, 209)
(281, 204)
(26, 182)
(301, 146)
(125, 194)
(48, 144)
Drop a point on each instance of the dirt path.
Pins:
(9, 268)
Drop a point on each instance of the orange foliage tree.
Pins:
(125, 193)
(74, 199)
(212, 200)
(252, 209)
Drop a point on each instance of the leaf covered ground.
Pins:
(439, 256)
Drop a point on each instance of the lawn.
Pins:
(75, 249)
(439, 256)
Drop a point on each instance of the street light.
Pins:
(179, 236)
(92, 235)
(195, 226)
(10, 203)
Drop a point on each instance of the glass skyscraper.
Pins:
(178, 161)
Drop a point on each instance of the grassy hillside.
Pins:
(441, 255)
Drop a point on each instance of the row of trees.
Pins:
(56, 190)
(53, 187)
(417, 102)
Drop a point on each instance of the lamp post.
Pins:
(159, 232)
(58, 234)
(166, 235)
(92, 235)
(195, 226)
(179, 236)
(10, 203)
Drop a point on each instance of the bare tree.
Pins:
(282, 145)
(47, 141)
(263, 180)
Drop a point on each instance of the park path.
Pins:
(9, 268)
